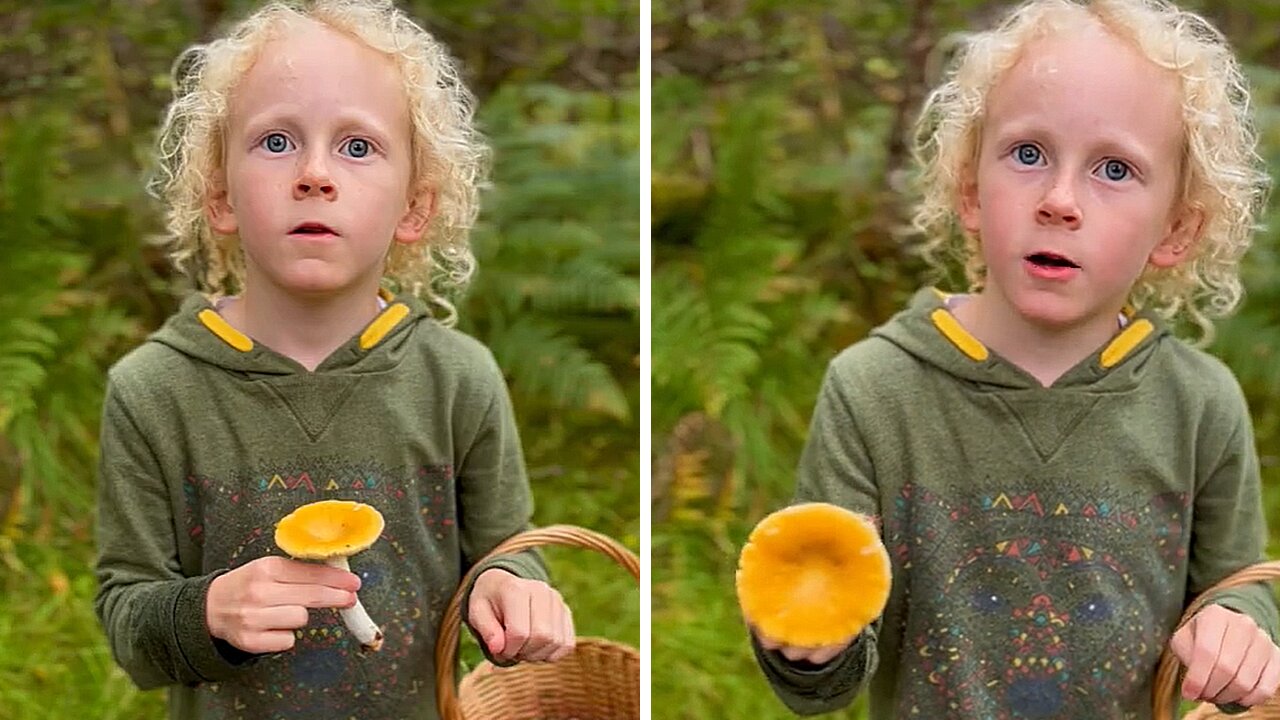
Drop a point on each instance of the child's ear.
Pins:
(422, 207)
(218, 211)
(970, 217)
(1182, 236)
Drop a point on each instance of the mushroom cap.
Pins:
(813, 574)
(328, 529)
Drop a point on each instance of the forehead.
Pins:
(1093, 79)
(310, 66)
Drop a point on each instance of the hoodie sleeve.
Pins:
(153, 615)
(834, 468)
(495, 501)
(1228, 531)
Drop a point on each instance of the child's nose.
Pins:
(1059, 206)
(310, 185)
(314, 180)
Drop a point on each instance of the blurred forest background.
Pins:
(556, 296)
(778, 160)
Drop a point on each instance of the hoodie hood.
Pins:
(927, 330)
(199, 332)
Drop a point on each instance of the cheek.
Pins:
(1005, 197)
(1136, 224)
(1003, 217)
(378, 204)
(253, 183)
(386, 191)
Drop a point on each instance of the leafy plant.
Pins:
(83, 84)
(56, 330)
(557, 275)
(777, 198)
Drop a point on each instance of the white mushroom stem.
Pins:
(355, 618)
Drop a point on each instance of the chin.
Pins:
(311, 284)
(1051, 313)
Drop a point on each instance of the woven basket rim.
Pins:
(1165, 698)
(447, 700)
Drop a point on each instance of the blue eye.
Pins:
(358, 147)
(276, 143)
(1116, 170)
(1027, 154)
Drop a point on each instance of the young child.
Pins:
(1053, 473)
(320, 170)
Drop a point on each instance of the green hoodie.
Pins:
(1044, 541)
(209, 439)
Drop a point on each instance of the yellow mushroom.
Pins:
(331, 531)
(813, 574)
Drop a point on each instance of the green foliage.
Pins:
(558, 275)
(65, 668)
(777, 216)
(57, 328)
(1249, 341)
(556, 294)
(734, 314)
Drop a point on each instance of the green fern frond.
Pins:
(554, 271)
(735, 317)
(716, 347)
(56, 331)
(589, 285)
(546, 364)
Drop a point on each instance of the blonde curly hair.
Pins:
(1222, 174)
(449, 155)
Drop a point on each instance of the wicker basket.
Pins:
(599, 680)
(1167, 674)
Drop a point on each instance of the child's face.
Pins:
(1077, 178)
(318, 132)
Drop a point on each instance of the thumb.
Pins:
(486, 624)
(1183, 643)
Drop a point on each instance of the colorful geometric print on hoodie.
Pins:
(1044, 541)
(208, 439)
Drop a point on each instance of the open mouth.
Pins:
(1051, 260)
(313, 229)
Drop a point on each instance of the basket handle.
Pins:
(447, 641)
(1167, 672)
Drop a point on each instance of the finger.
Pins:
(568, 636)
(824, 655)
(1267, 683)
(1249, 671)
(556, 626)
(305, 573)
(269, 641)
(544, 625)
(515, 623)
(280, 617)
(327, 597)
(765, 642)
(1181, 644)
(486, 623)
(1207, 630)
(312, 596)
(563, 642)
(814, 655)
(1236, 640)
(795, 654)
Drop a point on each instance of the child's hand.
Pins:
(520, 619)
(816, 655)
(1229, 658)
(257, 606)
